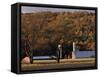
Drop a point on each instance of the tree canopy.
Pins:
(44, 29)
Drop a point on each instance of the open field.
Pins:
(64, 63)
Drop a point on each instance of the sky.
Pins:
(31, 9)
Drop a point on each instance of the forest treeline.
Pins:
(44, 30)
